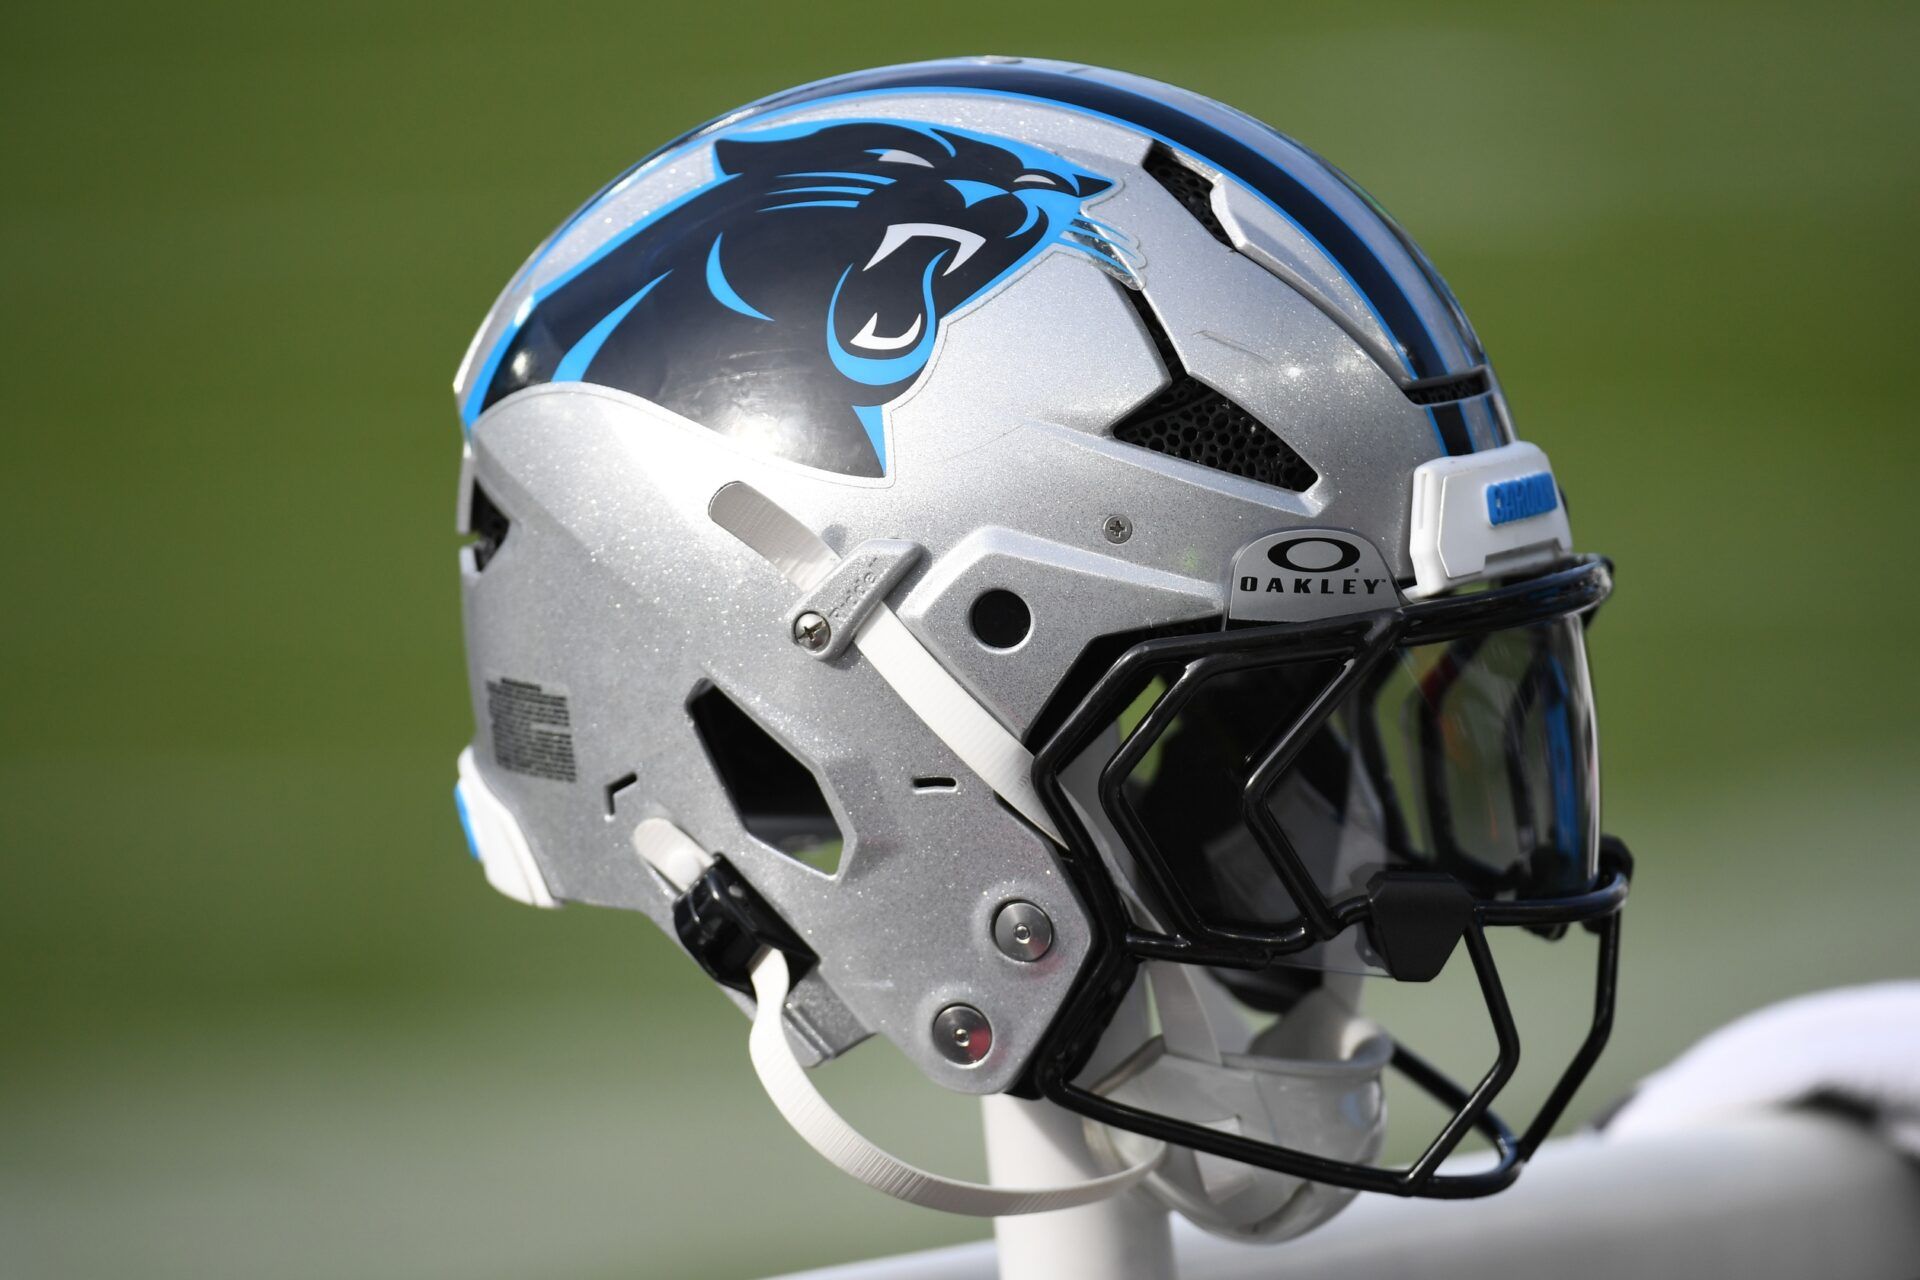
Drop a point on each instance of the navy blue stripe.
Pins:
(1212, 144)
(1451, 421)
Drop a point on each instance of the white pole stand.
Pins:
(1124, 1237)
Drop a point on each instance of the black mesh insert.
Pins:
(1190, 420)
(1191, 189)
(1447, 387)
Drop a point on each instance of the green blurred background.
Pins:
(261, 1015)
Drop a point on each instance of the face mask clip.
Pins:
(1416, 919)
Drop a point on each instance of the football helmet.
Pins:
(1029, 562)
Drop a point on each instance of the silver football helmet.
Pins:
(1028, 562)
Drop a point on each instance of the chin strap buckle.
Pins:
(724, 924)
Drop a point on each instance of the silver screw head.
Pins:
(1117, 528)
(1022, 931)
(962, 1034)
(810, 631)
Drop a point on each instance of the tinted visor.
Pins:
(1472, 753)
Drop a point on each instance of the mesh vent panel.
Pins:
(1190, 420)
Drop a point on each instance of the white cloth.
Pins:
(1857, 1045)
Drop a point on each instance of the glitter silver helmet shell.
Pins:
(1040, 351)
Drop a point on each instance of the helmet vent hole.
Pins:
(615, 787)
(935, 784)
(1191, 421)
(1192, 189)
(776, 795)
(1447, 388)
(488, 524)
(1000, 619)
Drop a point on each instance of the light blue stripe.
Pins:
(810, 204)
(830, 190)
(1484, 403)
(573, 366)
(466, 822)
(722, 291)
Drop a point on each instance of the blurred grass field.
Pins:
(261, 1015)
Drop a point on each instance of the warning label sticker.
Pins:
(532, 729)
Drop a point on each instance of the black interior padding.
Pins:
(775, 795)
(489, 525)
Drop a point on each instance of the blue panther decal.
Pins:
(789, 300)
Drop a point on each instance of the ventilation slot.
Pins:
(1191, 189)
(1448, 387)
(1190, 420)
(489, 525)
(778, 800)
(615, 787)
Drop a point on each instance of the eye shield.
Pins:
(1472, 756)
(1360, 793)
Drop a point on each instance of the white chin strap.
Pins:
(680, 860)
(827, 1132)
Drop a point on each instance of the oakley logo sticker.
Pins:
(1305, 574)
(1321, 554)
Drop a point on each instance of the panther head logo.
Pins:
(794, 296)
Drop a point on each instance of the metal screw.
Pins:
(1117, 528)
(962, 1034)
(1022, 931)
(810, 631)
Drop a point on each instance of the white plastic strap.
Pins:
(815, 1120)
(679, 860)
(983, 744)
(1184, 1024)
(497, 840)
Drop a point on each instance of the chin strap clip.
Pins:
(847, 1149)
(734, 933)
(725, 925)
(1416, 920)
